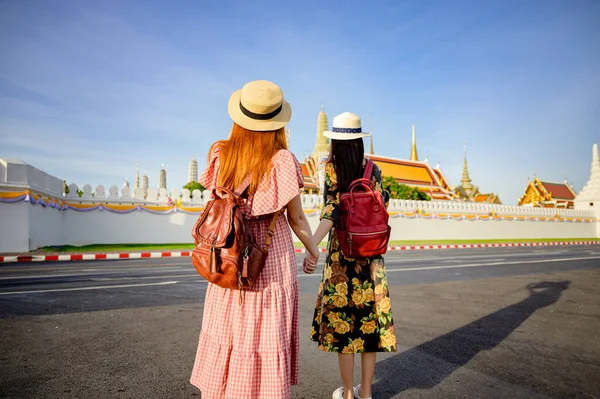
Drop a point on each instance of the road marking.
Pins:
(89, 288)
(143, 278)
(491, 264)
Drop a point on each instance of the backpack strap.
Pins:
(243, 186)
(271, 231)
(368, 169)
(239, 191)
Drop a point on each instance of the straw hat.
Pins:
(259, 106)
(346, 126)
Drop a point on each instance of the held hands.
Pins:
(310, 262)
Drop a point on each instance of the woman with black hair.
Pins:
(353, 311)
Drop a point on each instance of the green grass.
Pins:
(119, 247)
(188, 246)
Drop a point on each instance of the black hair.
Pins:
(347, 159)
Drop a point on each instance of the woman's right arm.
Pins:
(300, 227)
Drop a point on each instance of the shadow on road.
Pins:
(410, 369)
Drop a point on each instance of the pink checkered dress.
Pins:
(251, 350)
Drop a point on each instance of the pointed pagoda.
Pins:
(137, 176)
(322, 145)
(466, 191)
(413, 150)
(589, 196)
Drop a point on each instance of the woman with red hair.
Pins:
(250, 349)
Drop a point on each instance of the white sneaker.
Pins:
(357, 396)
(338, 393)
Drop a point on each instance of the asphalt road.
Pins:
(477, 323)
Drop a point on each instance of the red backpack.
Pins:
(364, 231)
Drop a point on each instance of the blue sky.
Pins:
(87, 89)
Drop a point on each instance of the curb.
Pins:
(179, 254)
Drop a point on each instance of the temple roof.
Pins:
(547, 194)
(416, 174)
(309, 182)
(559, 190)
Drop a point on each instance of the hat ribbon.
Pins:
(261, 117)
(346, 130)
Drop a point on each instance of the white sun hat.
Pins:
(259, 106)
(346, 126)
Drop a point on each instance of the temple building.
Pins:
(162, 178)
(137, 176)
(193, 170)
(589, 197)
(145, 183)
(411, 172)
(548, 195)
(468, 192)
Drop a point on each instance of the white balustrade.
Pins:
(162, 195)
(113, 193)
(126, 194)
(87, 192)
(100, 193)
(73, 189)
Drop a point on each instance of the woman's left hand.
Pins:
(310, 264)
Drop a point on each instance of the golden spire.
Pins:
(322, 145)
(413, 152)
(466, 180)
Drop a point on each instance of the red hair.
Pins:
(248, 151)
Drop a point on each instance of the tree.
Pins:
(194, 185)
(402, 191)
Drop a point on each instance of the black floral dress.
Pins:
(353, 312)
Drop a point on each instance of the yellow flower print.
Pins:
(342, 288)
(333, 316)
(327, 209)
(387, 339)
(325, 300)
(359, 345)
(312, 332)
(358, 297)
(327, 272)
(341, 326)
(368, 295)
(339, 300)
(368, 327)
(356, 282)
(355, 346)
(335, 257)
(329, 339)
(330, 171)
(385, 305)
(378, 289)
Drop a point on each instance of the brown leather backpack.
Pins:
(226, 253)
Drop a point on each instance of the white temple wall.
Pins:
(25, 227)
(46, 226)
(38, 218)
(104, 227)
(14, 227)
